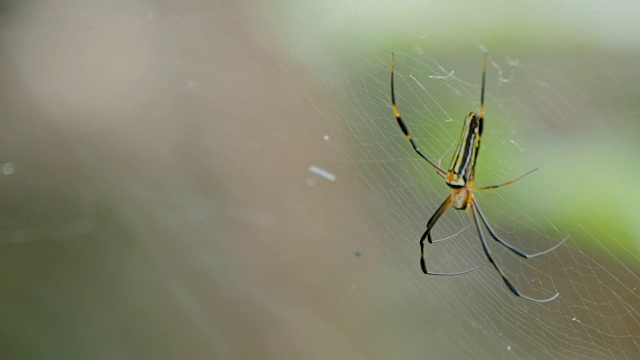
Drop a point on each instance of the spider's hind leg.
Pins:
(427, 234)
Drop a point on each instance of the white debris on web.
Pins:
(445, 77)
(516, 145)
(501, 77)
(325, 137)
(512, 62)
(8, 168)
(322, 172)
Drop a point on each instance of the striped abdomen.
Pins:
(463, 164)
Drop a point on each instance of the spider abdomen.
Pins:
(464, 159)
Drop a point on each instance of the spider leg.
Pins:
(504, 183)
(487, 251)
(509, 246)
(427, 234)
(484, 76)
(403, 126)
(434, 218)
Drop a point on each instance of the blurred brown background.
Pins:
(157, 201)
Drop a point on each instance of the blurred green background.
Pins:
(158, 201)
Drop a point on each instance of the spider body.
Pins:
(460, 178)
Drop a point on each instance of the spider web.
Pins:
(595, 316)
(240, 184)
(542, 111)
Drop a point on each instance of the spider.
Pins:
(459, 178)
